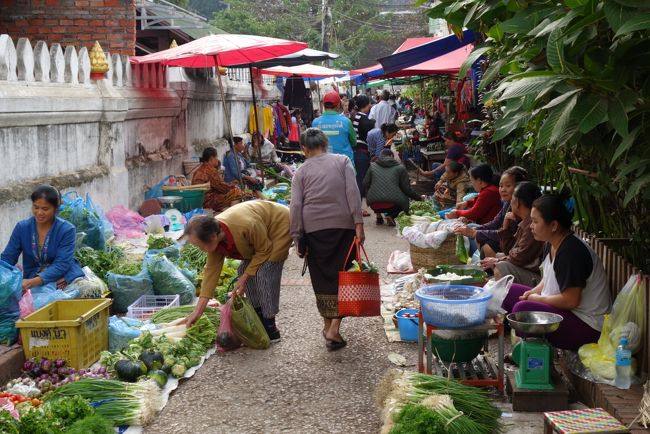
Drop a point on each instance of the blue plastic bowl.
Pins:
(453, 306)
(408, 327)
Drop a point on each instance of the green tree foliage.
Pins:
(567, 88)
(361, 33)
(207, 8)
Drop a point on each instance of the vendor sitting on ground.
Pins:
(269, 156)
(221, 194)
(487, 235)
(455, 152)
(46, 243)
(388, 188)
(451, 188)
(257, 232)
(237, 162)
(488, 202)
(522, 260)
(573, 284)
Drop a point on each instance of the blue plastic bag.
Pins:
(127, 289)
(85, 218)
(197, 211)
(156, 191)
(168, 279)
(46, 294)
(11, 290)
(172, 252)
(121, 331)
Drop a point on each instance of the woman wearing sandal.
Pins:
(325, 217)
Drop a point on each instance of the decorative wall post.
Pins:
(98, 62)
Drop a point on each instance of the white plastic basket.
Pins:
(145, 306)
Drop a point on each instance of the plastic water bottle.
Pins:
(623, 365)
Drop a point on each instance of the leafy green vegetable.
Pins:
(8, 425)
(272, 173)
(169, 280)
(36, 422)
(159, 243)
(193, 258)
(100, 261)
(91, 424)
(127, 268)
(421, 207)
(68, 410)
(418, 419)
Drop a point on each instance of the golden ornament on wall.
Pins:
(98, 62)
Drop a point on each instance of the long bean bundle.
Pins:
(121, 403)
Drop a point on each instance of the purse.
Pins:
(359, 292)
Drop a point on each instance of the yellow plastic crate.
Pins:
(74, 330)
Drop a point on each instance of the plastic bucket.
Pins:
(408, 327)
(192, 199)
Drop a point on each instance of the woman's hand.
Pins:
(461, 205)
(32, 283)
(526, 295)
(61, 283)
(196, 314)
(509, 219)
(240, 286)
(451, 214)
(465, 231)
(489, 263)
(361, 235)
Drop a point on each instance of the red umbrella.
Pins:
(223, 50)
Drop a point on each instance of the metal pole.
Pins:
(257, 122)
(226, 113)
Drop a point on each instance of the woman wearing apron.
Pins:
(573, 284)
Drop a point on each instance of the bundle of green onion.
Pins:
(121, 403)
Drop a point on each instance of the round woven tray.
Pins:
(429, 258)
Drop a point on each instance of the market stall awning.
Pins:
(308, 55)
(377, 70)
(307, 71)
(417, 56)
(446, 64)
(223, 50)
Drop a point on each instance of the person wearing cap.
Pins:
(338, 128)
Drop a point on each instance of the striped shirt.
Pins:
(362, 125)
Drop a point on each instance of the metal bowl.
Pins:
(535, 323)
(169, 200)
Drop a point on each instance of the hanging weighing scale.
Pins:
(534, 354)
(175, 217)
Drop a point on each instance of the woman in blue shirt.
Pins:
(46, 243)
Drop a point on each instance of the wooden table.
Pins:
(433, 156)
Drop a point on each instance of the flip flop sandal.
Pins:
(336, 345)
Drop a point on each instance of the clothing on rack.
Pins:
(264, 119)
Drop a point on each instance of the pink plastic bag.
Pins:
(26, 304)
(227, 340)
(126, 223)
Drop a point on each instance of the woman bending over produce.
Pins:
(325, 219)
(487, 235)
(257, 232)
(573, 283)
(488, 203)
(522, 260)
(46, 243)
(221, 194)
(388, 188)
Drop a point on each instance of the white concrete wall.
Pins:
(111, 138)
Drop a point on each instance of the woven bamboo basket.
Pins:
(202, 187)
(429, 258)
(189, 166)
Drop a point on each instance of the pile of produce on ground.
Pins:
(422, 404)
(419, 212)
(405, 288)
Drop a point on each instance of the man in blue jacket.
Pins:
(338, 129)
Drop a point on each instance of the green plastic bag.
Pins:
(461, 250)
(247, 324)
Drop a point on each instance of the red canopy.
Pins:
(224, 49)
(447, 64)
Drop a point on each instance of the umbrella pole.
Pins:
(226, 113)
(257, 122)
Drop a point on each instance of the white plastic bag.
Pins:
(499, 289)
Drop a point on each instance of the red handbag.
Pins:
(359, 292)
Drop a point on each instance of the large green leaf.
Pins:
(633, 3)
(617, 15)
(555, 51)
(495, 32)
(592, 111)
(617, 116)
(507, 124)
(529, 85)
(635, 188)
(625, 144)
(469, 61)
(575, 3)
(491, 74)
(584, 22)
(556, 122)
(470, 14)
(640, 22)
(560, 99)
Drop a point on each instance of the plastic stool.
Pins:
(586, 421)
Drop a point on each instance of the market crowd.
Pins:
(350, 155)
